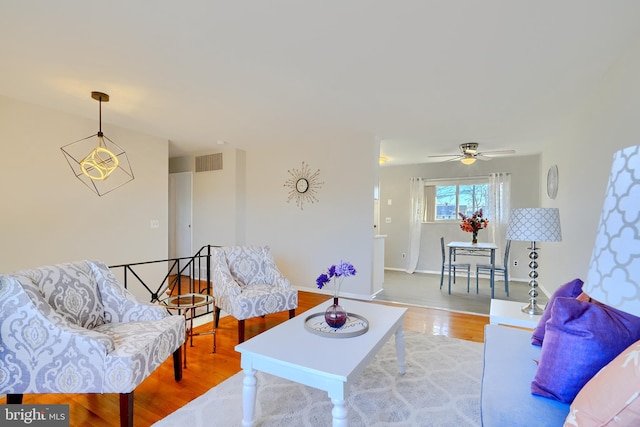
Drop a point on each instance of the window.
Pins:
(445, 199)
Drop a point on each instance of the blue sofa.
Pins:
(509, 367)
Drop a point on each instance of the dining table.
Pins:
(473, 249)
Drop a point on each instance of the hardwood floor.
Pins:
(159, 395)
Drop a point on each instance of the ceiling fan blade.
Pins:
(470, 150)
(498, 153)
(446, 155)
(455, 156)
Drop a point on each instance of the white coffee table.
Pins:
(290, 351)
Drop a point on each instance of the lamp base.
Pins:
(532, 308)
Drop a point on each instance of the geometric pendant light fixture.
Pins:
(96, 160)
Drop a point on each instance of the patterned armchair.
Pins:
(72, 328)
(247, 283)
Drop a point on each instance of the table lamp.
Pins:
(614, 271)
(534, 225)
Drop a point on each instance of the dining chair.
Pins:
(500, 270)
(454, 265)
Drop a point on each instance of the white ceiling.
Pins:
(421, 76)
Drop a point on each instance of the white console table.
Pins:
(509, 313)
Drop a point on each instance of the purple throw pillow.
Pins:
(571, 289)
(580, 339)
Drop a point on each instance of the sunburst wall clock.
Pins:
(303, 185)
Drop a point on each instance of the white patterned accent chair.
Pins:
(72, 328)
(247, 284)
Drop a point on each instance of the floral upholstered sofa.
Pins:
(72, 328)
(247, 283)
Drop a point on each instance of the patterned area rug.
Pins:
(441, 388)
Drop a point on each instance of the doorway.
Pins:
(180, 215)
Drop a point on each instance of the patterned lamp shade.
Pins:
(534, 225)
(614, 274)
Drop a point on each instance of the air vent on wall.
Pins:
(210, 162)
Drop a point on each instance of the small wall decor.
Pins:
(303, 185)
(552, 182)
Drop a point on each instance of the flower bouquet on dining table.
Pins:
(473, 223)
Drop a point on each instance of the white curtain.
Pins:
(416, 193)
(499, 207)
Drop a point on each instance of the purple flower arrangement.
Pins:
(337, 273)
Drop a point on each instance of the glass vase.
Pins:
(475, 238)
(335, 316)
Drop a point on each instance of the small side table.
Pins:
(188, 303)
(509, 313)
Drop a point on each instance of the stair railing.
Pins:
(178, 268)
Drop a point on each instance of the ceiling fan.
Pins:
(469, 154)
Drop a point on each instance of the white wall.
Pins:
(246, 203)
(337, 227)
(218, 195)
(605, 121)
(394, 186)
(583, 151)
(49, 216)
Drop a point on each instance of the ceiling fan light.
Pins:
(468, 160)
